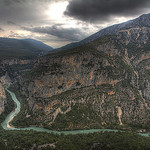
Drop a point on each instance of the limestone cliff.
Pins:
(101, 84)
(105, 83)
(10, 71)
(16, 58)
(2, 98)
(15, 61)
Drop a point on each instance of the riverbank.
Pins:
(6, 124)
(28, 139)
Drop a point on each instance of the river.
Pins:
(6, 124)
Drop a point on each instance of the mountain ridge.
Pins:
(14, 48)
(110, 30)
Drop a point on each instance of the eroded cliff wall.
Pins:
(101, 84)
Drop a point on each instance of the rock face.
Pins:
(10, 71)
(2, 98)
(16, 57)
(105, 83)
(5, 81)
(14, 61)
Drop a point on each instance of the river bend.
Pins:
(6, 124)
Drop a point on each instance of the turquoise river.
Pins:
(10, 117)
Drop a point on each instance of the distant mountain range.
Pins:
(142, 21)
(22, 48)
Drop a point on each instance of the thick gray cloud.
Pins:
(9, 2)
(72, 34)
(2, 29)
(23, 11)
(103, 10)
(11, 23)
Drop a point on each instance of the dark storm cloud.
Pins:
(73, 34)
(103, 10)
(9, 2)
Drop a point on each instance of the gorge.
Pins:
(102, 84)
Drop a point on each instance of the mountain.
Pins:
(102, 84)
(16, 48)
(142, 21)
(16, 58)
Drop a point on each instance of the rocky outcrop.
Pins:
(10, 70)
(2, 98)
(73, 72)
(5, 80)
(15, 61)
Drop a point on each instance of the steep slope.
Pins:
(27, 48)
(17, 57)
(142, 21)
(102, 84)
(95, 85)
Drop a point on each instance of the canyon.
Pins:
(102, 84)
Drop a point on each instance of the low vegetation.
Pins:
(18, 140)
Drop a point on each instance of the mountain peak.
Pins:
(142, 21)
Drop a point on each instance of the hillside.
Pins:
(26, 48)
(16, 58)
(102, 84)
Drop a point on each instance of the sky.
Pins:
(59, 22)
